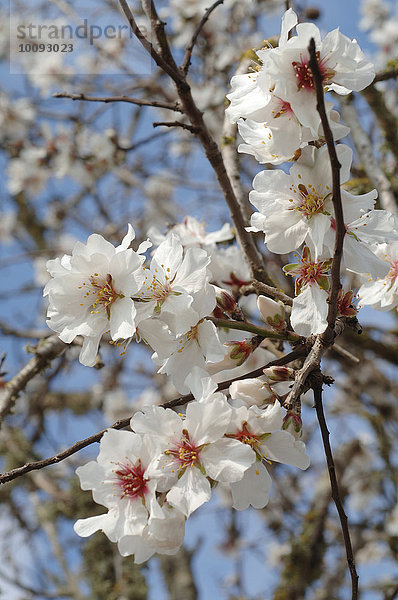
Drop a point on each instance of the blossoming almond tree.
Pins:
(222, 323)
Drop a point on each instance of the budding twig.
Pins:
(123, 423)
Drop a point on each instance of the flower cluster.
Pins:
(151, 479)
(275, 107)
(174, 296)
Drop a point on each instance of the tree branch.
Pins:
(188, 53)
(316, 380)
(175, 124)
(212, 151)
(329, 334)
(122, 423)
(251, 328)
(106, 99)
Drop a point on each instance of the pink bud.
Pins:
(227, 305)
(240, 351)
(279, 373)
(293, 424)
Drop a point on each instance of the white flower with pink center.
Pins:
(193, 451)
(90, 292)
(171, 282)
(200, 345)
(342, 64)
(382, 294)
(257, 429)
(309, 309)
(119, 481)
(296, 207)
(279, 137)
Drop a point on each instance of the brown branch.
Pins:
(168, 67)
(384, 75)
(316, 380)
(107, 99)
(45, 352)
(188, 53)
(175, 124)
(329, 334)
(122, 423)
(212, 151)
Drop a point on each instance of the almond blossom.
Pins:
(90, 292)
(382, 293)
(193, 450)
(199, 345)
(342, 64)
(279, 137)
(256, 428)
(297, 207)
(120, 482)
(309, 309)
(171, 282)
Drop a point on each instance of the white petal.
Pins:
(253, 489)
(191, 491)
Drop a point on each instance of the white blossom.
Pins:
(90, 292)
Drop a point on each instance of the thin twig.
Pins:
(251, 328)
(316, 379)
(107, 99)
(122, 423)
(168, 67)
(328, 335)
(175, 124)
(188, 53)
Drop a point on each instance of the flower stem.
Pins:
(251, 328)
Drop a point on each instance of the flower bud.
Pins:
(293, 424)
(252, 392)
(272, 313)
(240, 351)
(279, 373)
(227, 305)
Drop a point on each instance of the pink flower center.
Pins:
(311, 271)
(245, 436)
(131, 481)
(185, 452)
(281, 108)
(304, 76)
(393, 272)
